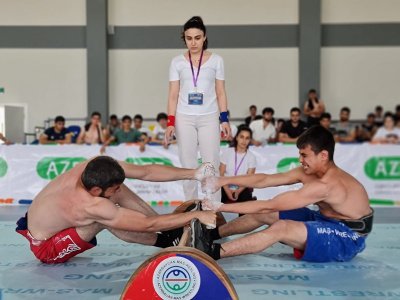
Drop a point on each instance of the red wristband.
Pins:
(171, 120)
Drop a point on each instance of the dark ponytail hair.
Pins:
(195, 22)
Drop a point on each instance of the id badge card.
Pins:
(195, 98)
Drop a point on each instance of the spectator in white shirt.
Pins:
(263, 130)
(159, 131)
(388, 133)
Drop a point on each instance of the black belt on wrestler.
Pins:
(362, 225)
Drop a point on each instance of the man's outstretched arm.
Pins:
(160, 173)
(107, 213)
(308, 194)
(255, 180)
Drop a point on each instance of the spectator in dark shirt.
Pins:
(313, 108)
(397, 115)
(293, 128)
(367, 129)
(57, 134)
(253, 115)
(126, 134)
(378, 115)
(113, 125)
(325, 121)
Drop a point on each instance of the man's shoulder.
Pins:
(255, 124)
(49, 130)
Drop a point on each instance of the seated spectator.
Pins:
(263, 130)
(253, 116)
(397, 115)
(325, 121)
(293, 128)
(113, 124)
(238, 160)
(138, 124)
(378, 115)
(125, 134)
(4, 140)
(93, 132)
(313, 108)
(57, 134)
(388, 133)
(345, 131)
(278, 126)
(367, 129)
(234, 129)
(159, 131)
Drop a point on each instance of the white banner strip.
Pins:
(26, 169)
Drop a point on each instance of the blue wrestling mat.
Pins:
(102, 272)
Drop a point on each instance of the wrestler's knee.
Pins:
(88, 232)
(280, 227)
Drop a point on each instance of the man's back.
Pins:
(59, 205)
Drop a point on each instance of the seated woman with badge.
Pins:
(238, 160)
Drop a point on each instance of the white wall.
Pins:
(53, 81)
(360, 11)
(361, 78)
(177, 12)
(50, 82)
(42, 12)
(264, 77)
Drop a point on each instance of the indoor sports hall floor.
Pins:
(102, 272)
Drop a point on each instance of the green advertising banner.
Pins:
(3, 167)
(149, 161)
(287, 164)
(50, 167)
(383, 168)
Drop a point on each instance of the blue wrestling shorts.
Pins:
(327, 239)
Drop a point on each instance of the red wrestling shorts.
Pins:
(57, 249)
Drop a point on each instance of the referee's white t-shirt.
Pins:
(228, 159)
(211, 70)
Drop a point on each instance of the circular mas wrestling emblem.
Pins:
(176, 278)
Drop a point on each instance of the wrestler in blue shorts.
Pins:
(336, 232)
(327, 239)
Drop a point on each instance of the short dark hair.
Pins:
(195, 22)
(59, 119)
(95, 113)
(319, 138)
(113, 117)
(346, 109)
(138, 116)
(312, 91)
(371, 115)
(252, 106)
(102, 172)
(295, 109)
(325, 115)
(161, 116)
(126, 117)
(388, 114)
(268, 110)
(378, 107)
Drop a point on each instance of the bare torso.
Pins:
(346, 198)
(60, 205)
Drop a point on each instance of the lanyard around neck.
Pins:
(237, 167)
(198, 69)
